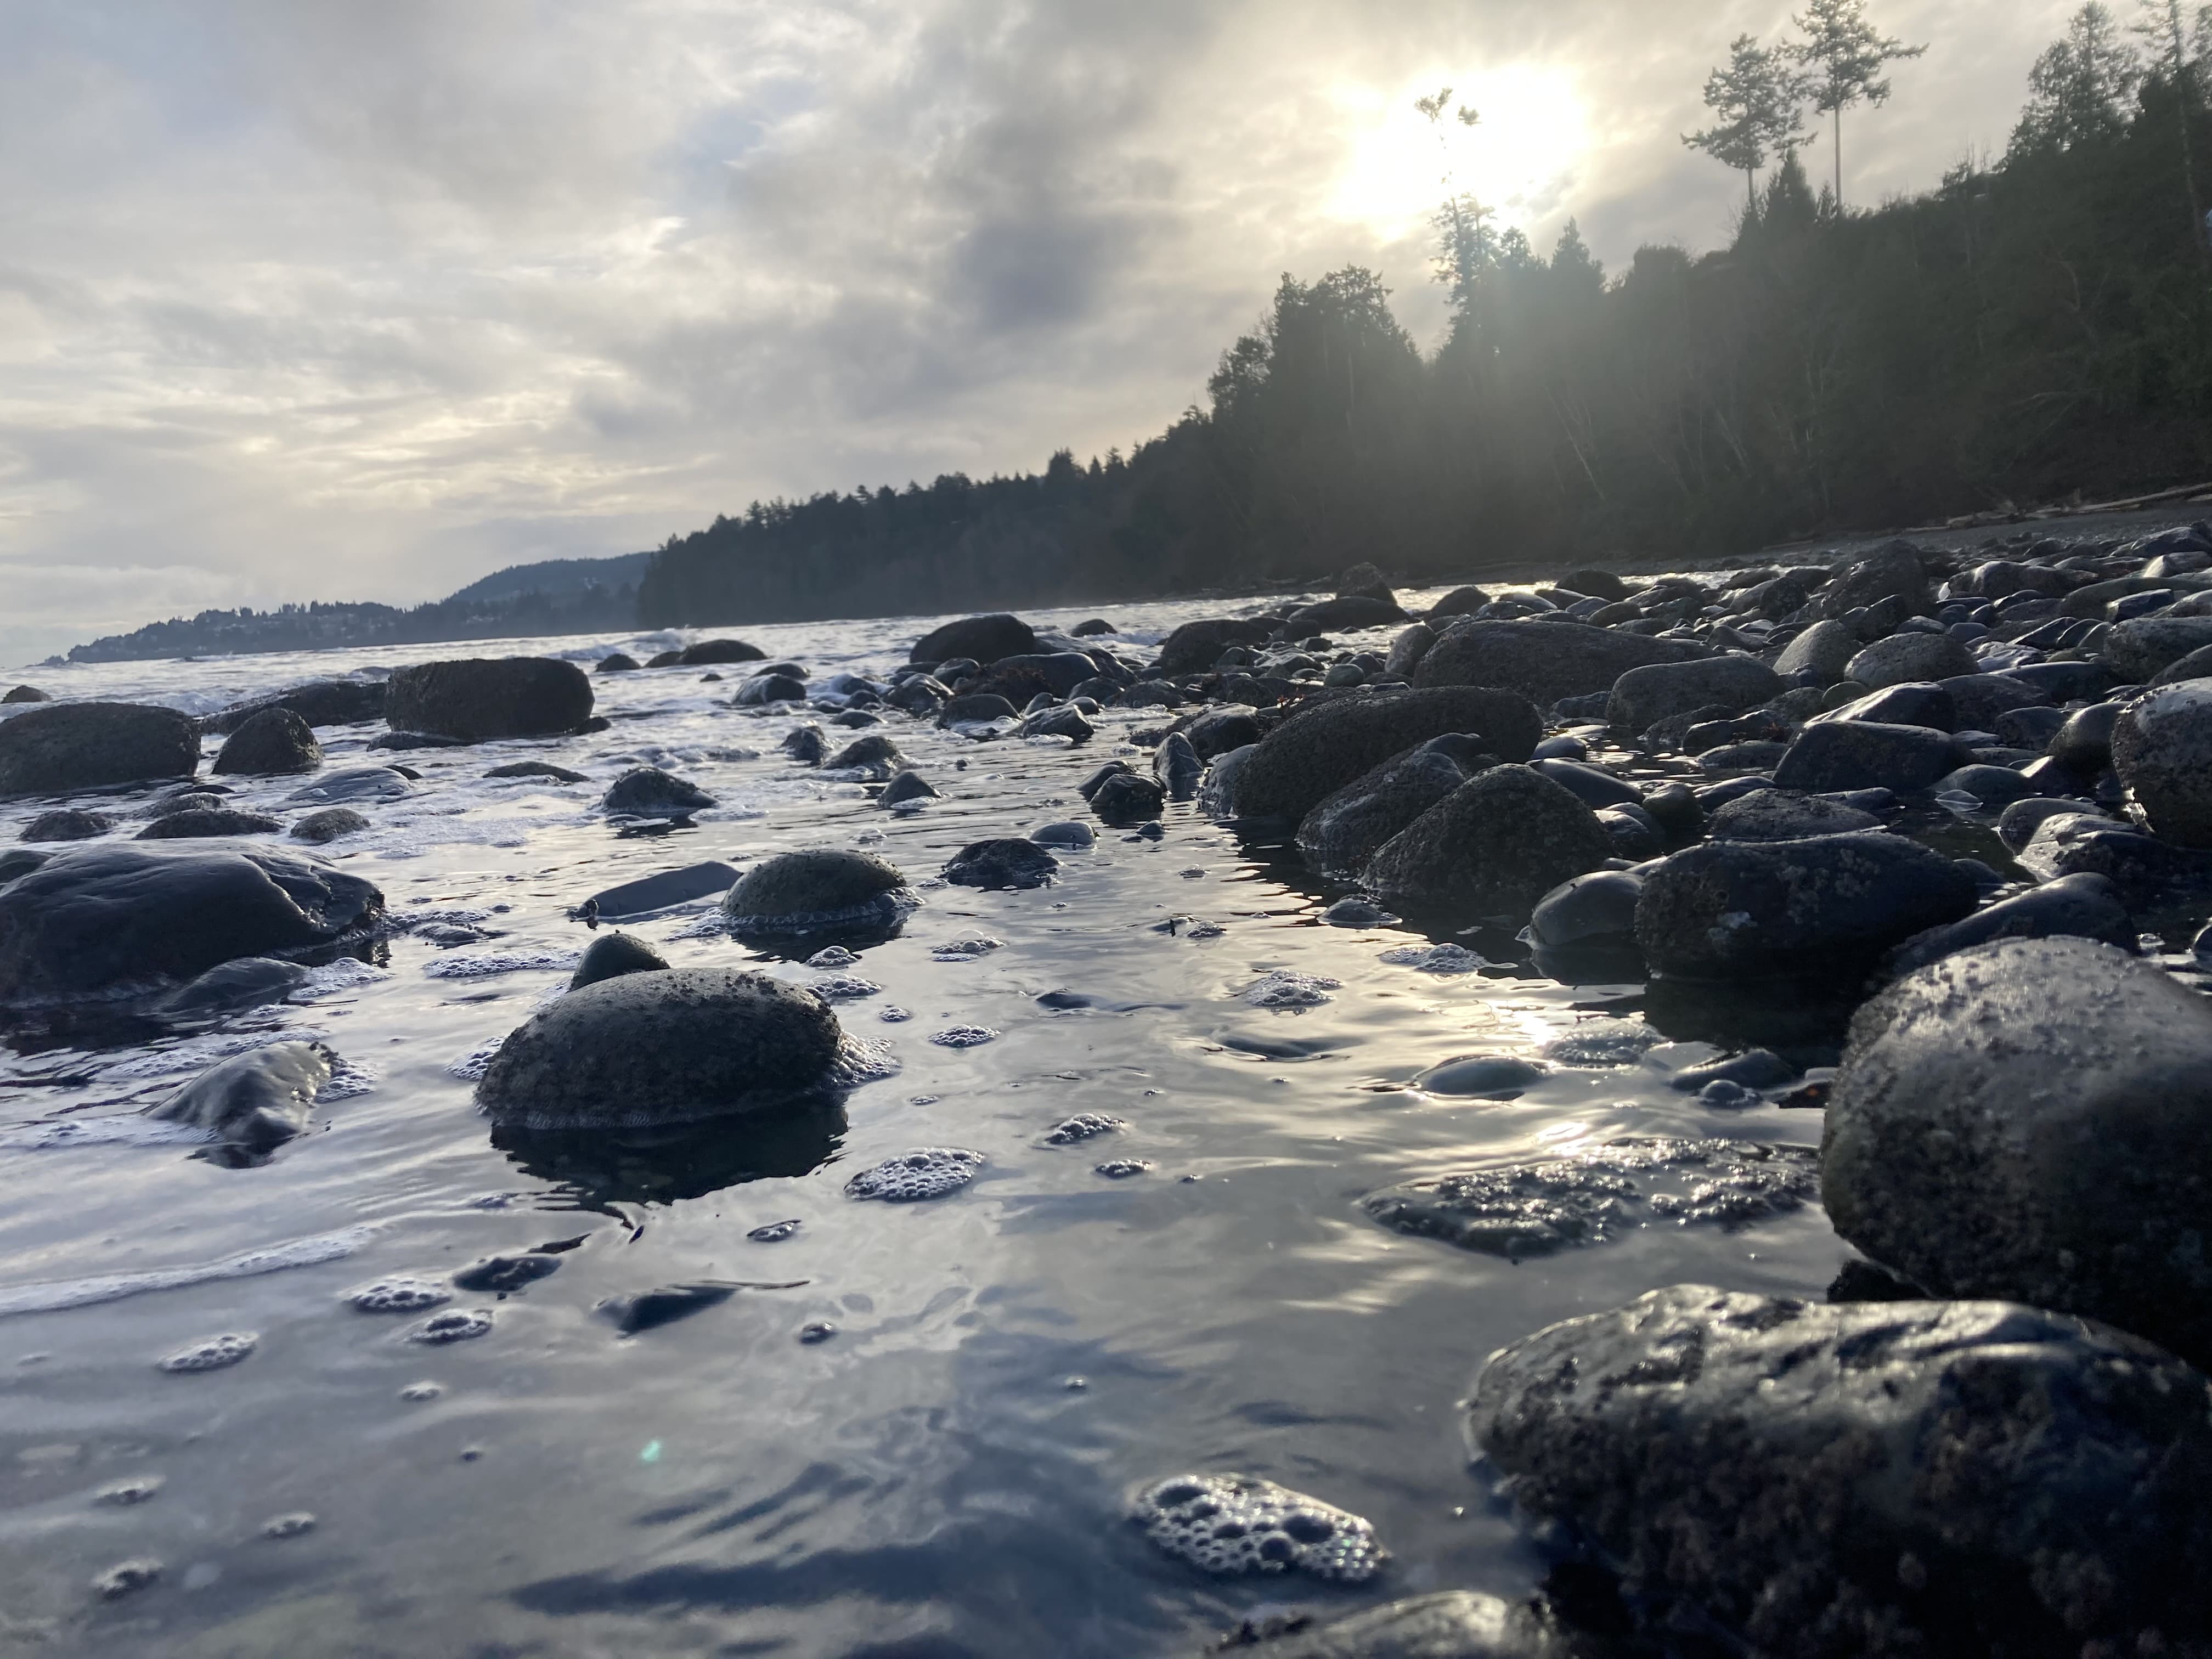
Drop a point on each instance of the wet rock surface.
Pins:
(1542, 662)
(273, 743)
(476, 699)
(1320, 750)
(255, 1102)
(56, 748)
(1493, 846)
(806, 892)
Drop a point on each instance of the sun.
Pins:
(1520, 159)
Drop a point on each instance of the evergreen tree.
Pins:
(2082, 85)
(1846, 55)
(1759, 99)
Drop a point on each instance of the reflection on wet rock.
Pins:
(254, 1102)
(684, 1161)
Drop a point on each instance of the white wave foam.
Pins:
(56, 1295)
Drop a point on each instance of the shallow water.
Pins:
(949, 1471)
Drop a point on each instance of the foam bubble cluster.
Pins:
(962, 1036)
(844, 988)
(1121, 1169)
(472, 1066)
(455, 1325)
(1436, 958)
(1285, 989)
(1229, 1523)
(833, 955)
(485, 964)
(1603, 1042)
(1082, 1126)
(967, 950)
(926, 1172)
(212, 1353)
(398, 1295)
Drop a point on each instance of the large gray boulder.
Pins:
(102, 919)
(1824, 650)
(1643, 696)
(2161, 747)
(273, 743)
(1907, 658)
(1826, 905)
(982, 639)
(55, 748)
(1878, 1479)
(1344, 829)
(1543, 662)
(1195, 647)
(476, 699)
(1892, 571)
(1832, 756)
(2033, 1119)
(678, 1046)
(1319, 750)
(812, 891)
(2137, 650)
(1493, 846)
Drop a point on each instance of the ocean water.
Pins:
(948, 1469)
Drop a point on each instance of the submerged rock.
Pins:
(329, 825)
(646, 791)
(475, 700)
(102, 917)
(1005, 862)
(816, 892)
(318, 702)
(2033, 1119)
(253, 1102)
(358, 783)
(872, 759)
(1449, 1625)
(703, 652)
(67, 824)
(1494, 846)
(1120, 797)
(1824, 906)
(646, 1050)
(1320, 750)
(907, 788)
(60, 747)
(273, 742)
(248, 982)
(1969, 1479)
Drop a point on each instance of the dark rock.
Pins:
(2065, 682)
(1007, 862)
(648, 1311)
(397, 741)
(1450, 1624)
(503, 1275)
(477, 699)
(1069, 834)
(248, 982)
(1363, 581)
(664, 659)
(2032, 727)
(705, 652)
(1995, 787)
(1832, 755)
(1592, 785)
(1635, 835)
(646, 791)
(318, 702)
(328, 825)
(2161, 747)
(1480, 1077)
(1675, 810)
(2073, 906)
(2145, 869)
(101, 917)
(1494, 846)
(67, 824)
(672, 1047)
(1878, 1479)
(806, 745)
(1220, 730)
(1406, 652)
(1123, 798)
(1893, 571)
(61, 747)
(1923, 703)
(976, 708)
(921, 694)
(815, 891)
(2137, 650)
(1346, 615)
(1598, 906)
(906, 786)
(1195, 647)
(875, 759)
(658, 892)
(272, 744)
(613, 955)
(1176, 766)
(1064, 721)
(1979, 702)
(1737, 759)
(17, 861)
(617, 662)
(984, 639)
(762, 689)
(2197, 665)
(1598, 584)
(537, 769)
(204, 821)
(1908, 658)
(27, 694)
(253, 1102)
(1344, 829)
(2018, 822)
(1542, 661)
(1785, 815)
(1643, 696)
(1460, 602)
(2031, 1119)
(1319, 750)
(1739, 909)
(1090, 627)
(1821, 653)
(1061, 670)
(1755, 1068)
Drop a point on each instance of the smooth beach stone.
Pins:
(1643, 696)
(256, 1101)
(329, 825)
(1542, 661)
(1005, 862)
(1595, 786)
(67, 824)
(1741, 909)
(273, 743)
(806, 745)
(1995, 787)
(1406, 652)
(2161, 747)
(1344, 828)
(617, 662)
(1076, 837)
(1346, 614)
(2145, 868)
(1821, 652)
(646, 791)
(1907, 658)
(1785, 815)
(613, 955)
(2138, 650)
(537, 769)
(1892, 571)
(873, 758)
(804, 892)
(2018, 822)
(205, 821)
(976, 709)
(1217, 730)
(2084, 743)
(1320, 750)
(100, 917)
(318, 702)
(358, 783)
(1979, 701)
(1120, 797)
(27, 694)
(56, 748)
(2033, 1119)
(1598, 906)
(1194, 647)
(248, 982)
(1970, 1478)
(2084, 906)
(982, 639)
(644, 1049)
(1176, 766)
(475, 700)
(1480, 1077)
(907, 787)
(1916, 702)
(1850, 754)
(762, 689)
(1494, 846)
(1061, 720)
(702, 653)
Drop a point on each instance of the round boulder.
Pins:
(983, 639)
(273, 743)
(1542, 661)
(1005, 862)
(1320, 750)
(1344, 829)
(475, 700)
(59, 747)
(1643, 696)
(647, 1049)
(1785, 815)
(2162, 749)
(1839, 754)
(1494, 846)
(1907, 658)
(815, 891)
(67, 824)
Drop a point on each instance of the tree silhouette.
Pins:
(2082, 86)
(1759, 99)
(1846, 56)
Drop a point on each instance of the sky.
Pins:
(365, 299)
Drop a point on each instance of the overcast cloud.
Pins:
(340, 299)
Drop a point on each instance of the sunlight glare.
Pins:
(1520, 160)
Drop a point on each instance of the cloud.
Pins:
(339, 301)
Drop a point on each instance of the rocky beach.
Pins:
(1613, 1115)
